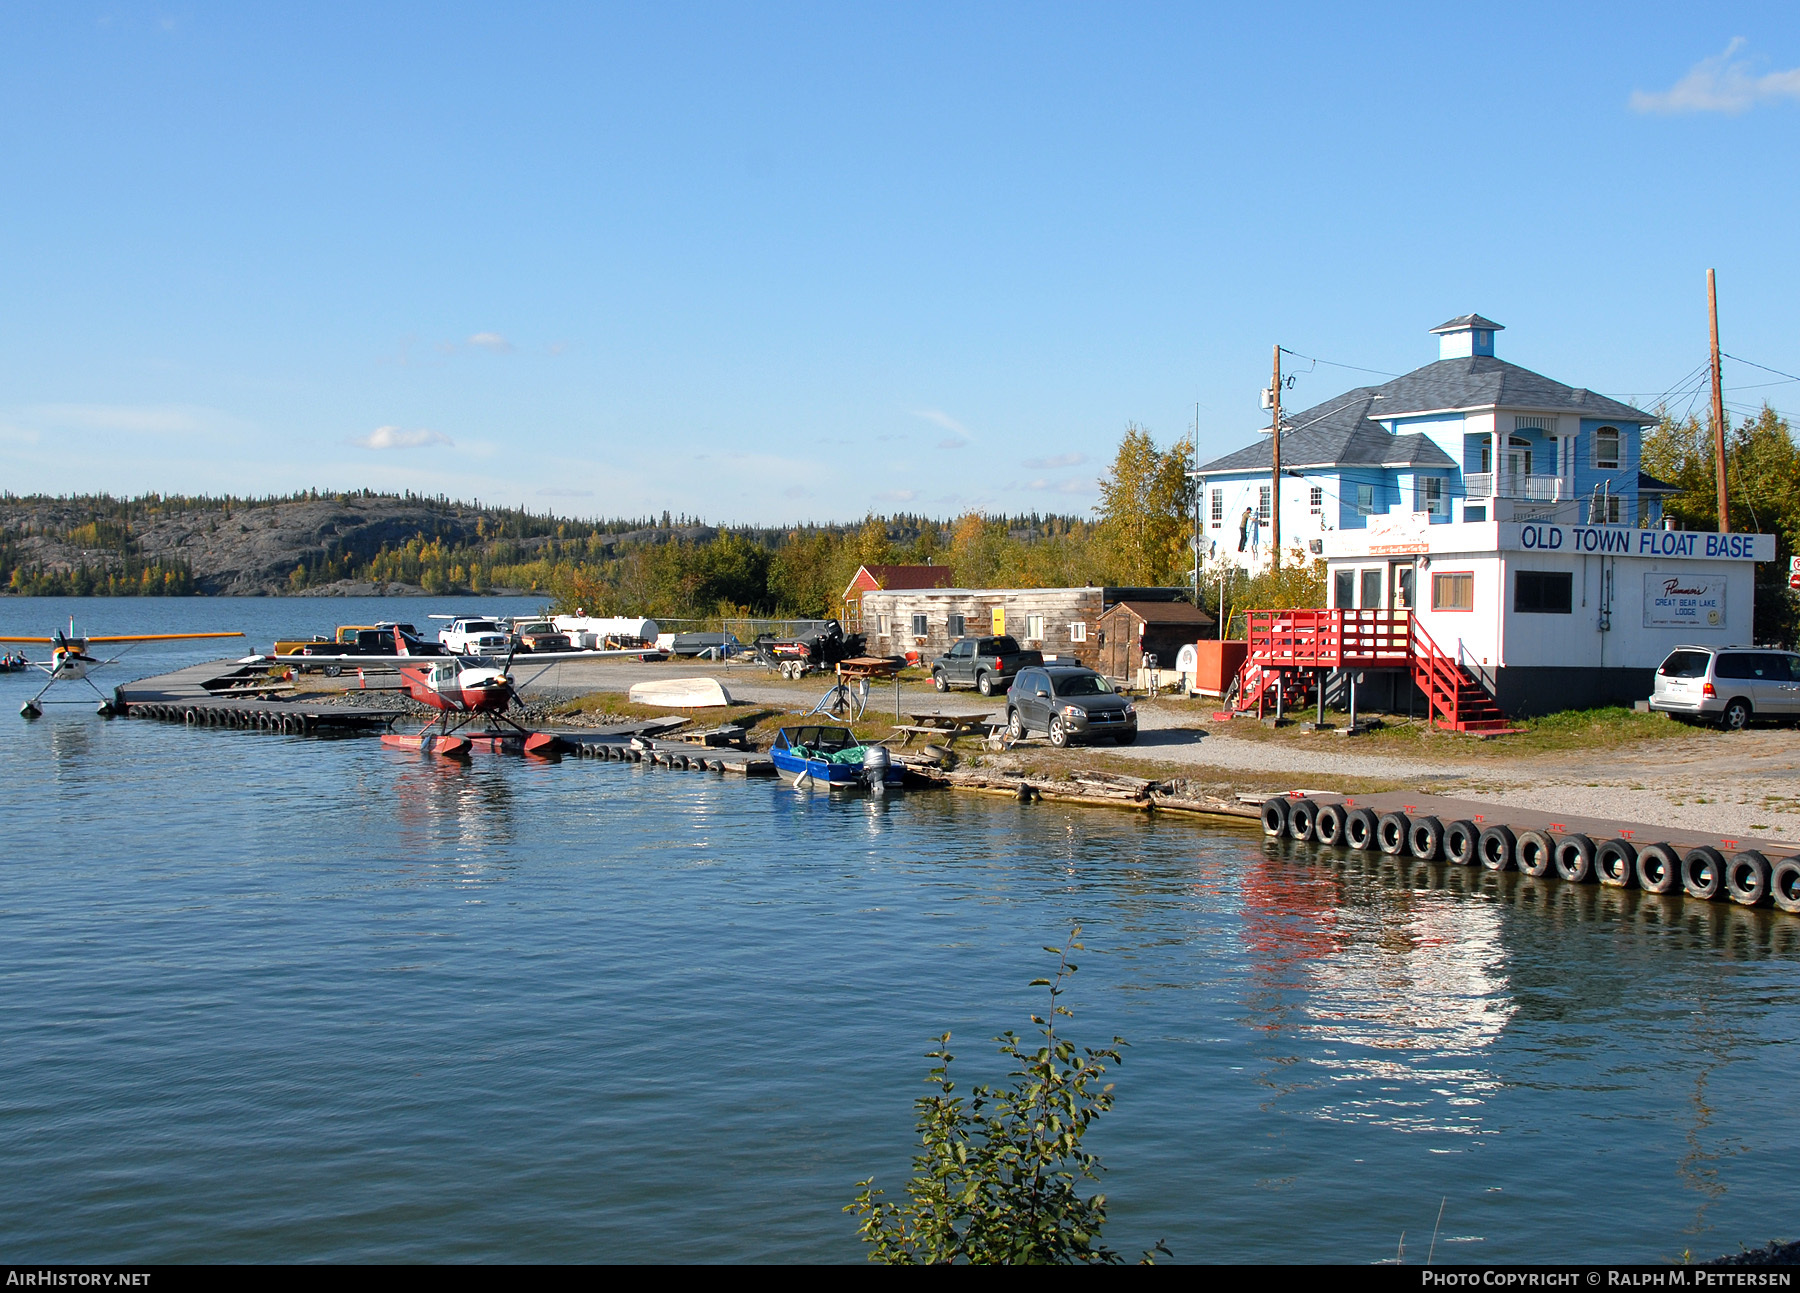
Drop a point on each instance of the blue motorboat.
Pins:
(832, 758)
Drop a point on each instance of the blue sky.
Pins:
(785, 262)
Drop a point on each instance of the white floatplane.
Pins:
(70, 662)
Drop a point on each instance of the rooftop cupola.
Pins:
(1469, 335)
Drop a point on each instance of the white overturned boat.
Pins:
(681, 693)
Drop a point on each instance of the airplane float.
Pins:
(70, 662)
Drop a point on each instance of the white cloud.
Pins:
(1060, 460)
(492, 341)
(1722, 83)
(897, 496)
(1073, 485)
(395, 438)
(146, 419)
(565, 493)
(959, 434)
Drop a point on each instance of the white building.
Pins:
(1551, 614)
(1469, 438)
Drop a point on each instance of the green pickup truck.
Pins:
(989, 665)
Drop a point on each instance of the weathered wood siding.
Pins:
(888, 619)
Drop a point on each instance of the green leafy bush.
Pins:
(999, 1176)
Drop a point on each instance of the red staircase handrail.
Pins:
(1310, 638)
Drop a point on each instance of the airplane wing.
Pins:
(145, 637)
(522, 657)
(132, 637)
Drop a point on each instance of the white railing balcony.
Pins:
(1535, 489)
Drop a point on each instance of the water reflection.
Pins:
(1388, 986)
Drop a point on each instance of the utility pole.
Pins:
(1275, 487)
(1199, 488)
(1712, 306)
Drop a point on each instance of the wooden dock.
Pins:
(229, 693)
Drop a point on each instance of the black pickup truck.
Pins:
(986, 664)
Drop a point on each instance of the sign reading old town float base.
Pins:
(1677, 601)
(1623, 541)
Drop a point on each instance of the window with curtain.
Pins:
(1606, 448)
(1453, 590)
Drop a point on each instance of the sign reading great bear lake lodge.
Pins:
(1677, 601)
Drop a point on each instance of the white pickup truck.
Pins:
(475, 635)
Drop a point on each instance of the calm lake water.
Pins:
(266, 997)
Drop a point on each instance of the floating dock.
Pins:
(1497, 837)
(230, 693)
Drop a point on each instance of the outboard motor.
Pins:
(875, 768)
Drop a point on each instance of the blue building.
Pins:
(1468, 438)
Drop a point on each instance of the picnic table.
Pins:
(866, 666)
(947, 726)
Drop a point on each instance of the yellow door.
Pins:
(999, 620)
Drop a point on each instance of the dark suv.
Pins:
(1068, 703)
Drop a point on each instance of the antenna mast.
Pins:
(1275, 484)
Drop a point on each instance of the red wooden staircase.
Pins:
(1287, 648)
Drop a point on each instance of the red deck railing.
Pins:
(1287, 645)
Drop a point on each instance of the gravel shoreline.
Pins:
(1737, 784)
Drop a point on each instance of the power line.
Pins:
(1764, 367)
(1355, 368)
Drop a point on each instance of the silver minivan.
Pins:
(1728, 685)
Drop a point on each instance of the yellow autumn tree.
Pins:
(1144, 512)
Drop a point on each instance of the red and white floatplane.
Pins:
(467, 691)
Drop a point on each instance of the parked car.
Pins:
(474, 635)
(987, 664)
(1068, 703)
(536, 635)
(1729, 686)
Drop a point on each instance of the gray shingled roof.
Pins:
(1483, 382)
(1342, 431)
(1469, 321)
(1344, 434)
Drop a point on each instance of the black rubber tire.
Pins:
(1359, 828)
(1391, 832)
(1784, 884)
(1425, 839)
(1615, 864)
(1329, 829)
(1125, 738)
(984, 683)
(333, 670)
(937, 679)
(1735, 717)
(1275, 816)
(1534, 853)
(1495, 848)
(1459, 843)
(1303, 817)
(1575, 859)
(1747, 878)
(1658, 869)
(1015, 725)
(1703, 873)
